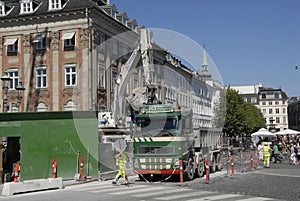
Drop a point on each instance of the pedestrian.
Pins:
(267, 155)
(260, 151)
(294, 153)
(276, 152)
(121, 162)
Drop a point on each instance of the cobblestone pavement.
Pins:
(277, 182)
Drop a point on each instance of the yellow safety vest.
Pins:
(266, 151)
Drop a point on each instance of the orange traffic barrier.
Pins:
(232, 166)
(207, 171)
(17, 170)
(252, 161)
(54, 168)
(81, 168)
(181, 171)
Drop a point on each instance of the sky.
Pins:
(250, 41)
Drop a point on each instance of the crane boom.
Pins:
(143, 49)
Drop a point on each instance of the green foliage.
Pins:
(235, 116)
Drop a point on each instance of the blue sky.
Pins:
(250, 41)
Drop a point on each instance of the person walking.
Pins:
(260, 152)
(276, 152)
(294, 153)
(121, 162)
(267, 155)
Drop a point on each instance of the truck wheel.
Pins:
(189, 170)
(219, 165)
(200, 168)
(213, 166)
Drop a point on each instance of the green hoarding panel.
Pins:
(65, 136)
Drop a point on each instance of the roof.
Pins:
(44, 5)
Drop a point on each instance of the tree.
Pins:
(240, 117)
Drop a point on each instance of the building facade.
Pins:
(294, 113)
(273, 104)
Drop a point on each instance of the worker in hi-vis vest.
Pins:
(121, 161)
(267, 155)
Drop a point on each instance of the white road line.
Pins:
(163, 192)
(216, 197)
(115, 188)
(185, 195)
(255, 199)
(134, 190)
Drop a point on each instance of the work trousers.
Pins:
(267, 161)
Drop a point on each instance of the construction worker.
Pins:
(267, 155)
(121, 161)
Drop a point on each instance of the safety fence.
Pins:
(239, 162)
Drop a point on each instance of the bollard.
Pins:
(232, 166)
(252, 161)
(207, 171)
(81, 168)
(181, 171)
(17, 170)
(258, 161)
(54, 168)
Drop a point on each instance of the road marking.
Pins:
(216, 197)
(164, 191)
(114, 189)
(185, 195)
(274, 174)
(134, 190)
(255, 199)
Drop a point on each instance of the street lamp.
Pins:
(4, 79)
(19, 88)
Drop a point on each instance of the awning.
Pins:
(39, 38)
(10, 41)
(68, 35)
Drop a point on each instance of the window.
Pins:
(284, 120)
(114, 47)
(69, 41)
(113, 13)
(57, 4)
(26, 6)
(270, 111)
(41, 78)
(70, 106)
(283, 110)
(263, 96)
(40, 42)
(277, 110)
(70, 75)
(14, 76)
(270, 102)
(276, 95)
(101, 77)
(264, 111)
(276, 102)
(277, 120)
(263, 103)
(101, 40)
(253, 100)
(12, 45)
(2, 8)
(54, 4)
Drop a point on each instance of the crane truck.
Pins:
(161, 134)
